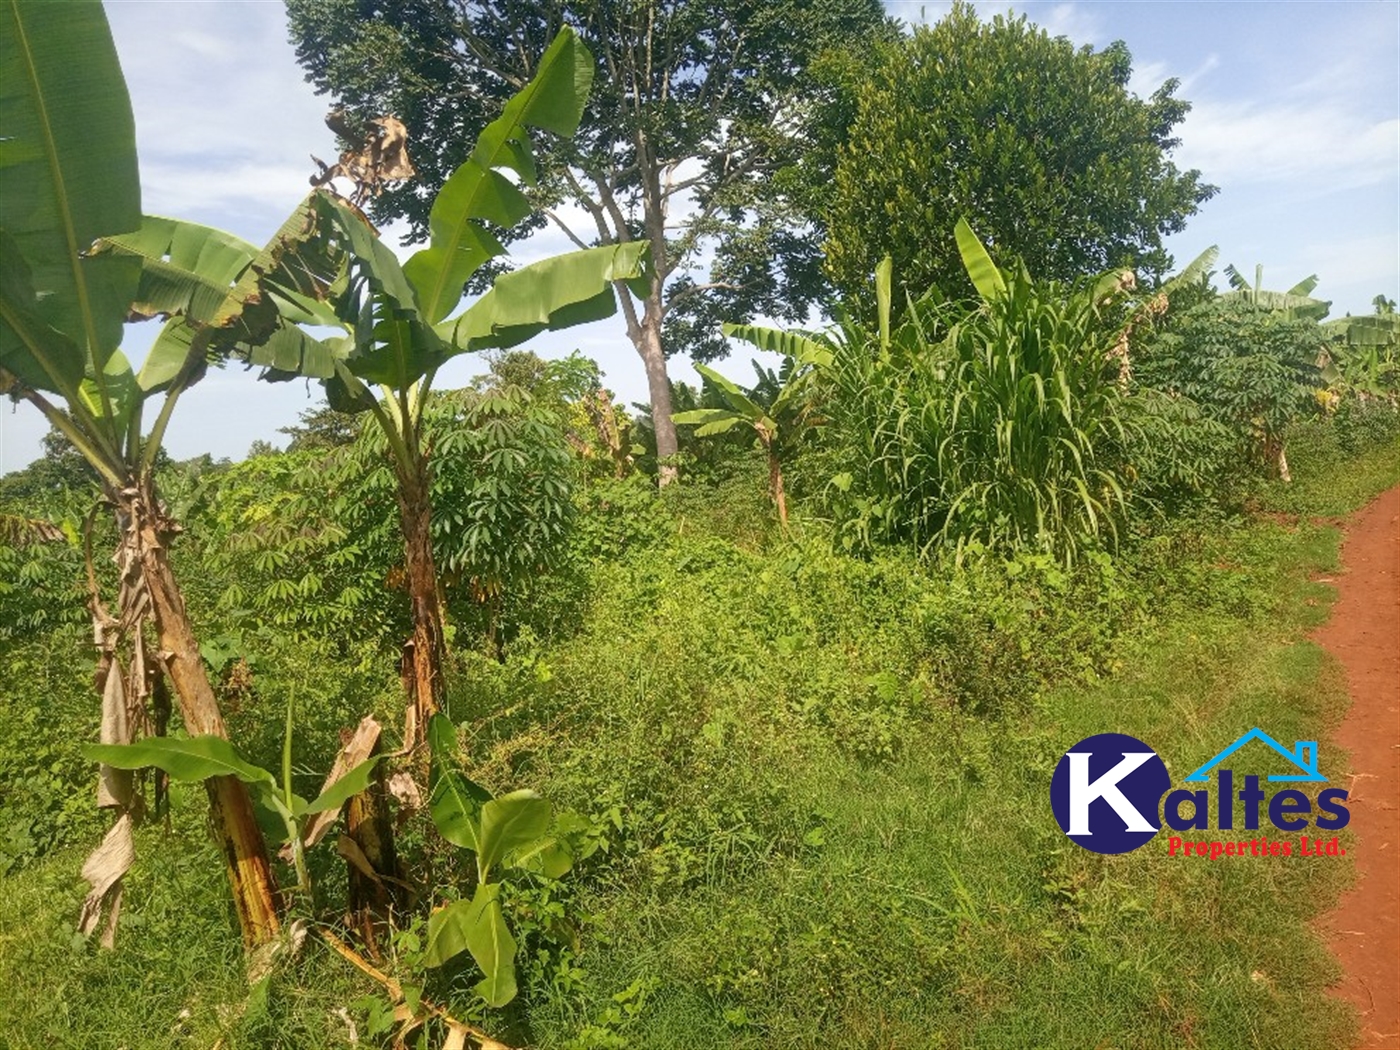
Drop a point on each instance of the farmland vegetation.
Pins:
(723, 722)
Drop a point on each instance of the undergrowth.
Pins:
(819, 788)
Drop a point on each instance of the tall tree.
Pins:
(698, 104)
(1041, 146)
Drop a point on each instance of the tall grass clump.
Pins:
(998, 424)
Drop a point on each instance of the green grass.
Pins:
(944, 907)
(826, 784)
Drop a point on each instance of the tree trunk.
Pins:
(775, 485)
(230, 807)
(423, 654)
(647, 340)
(373, 894)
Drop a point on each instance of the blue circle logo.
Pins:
(1106, 790)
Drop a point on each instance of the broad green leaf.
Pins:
(986, 278)
(211, 279)
(355, 780)
(345, 392)
(455, 801)
(737, 399)
(1368, 330)
(1110, 286)
(550, 857)
(291, 351)
(184, 758)
(727, 386)
(447, 933)
(442, 738)
(705, 416)
(68, 168)
(721, 426)
(478, 926)
(40, 355)
(508, 823)
(392, 344)
(1304, 287)
(168, 356)
(548, 295)
(120, 385)
(802, 349)
(492, 946)
(552, 101)
(455, 804)
(186, 268)
(1194, 270)
(1236, 279)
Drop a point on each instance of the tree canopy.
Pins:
(1041, 146)
(698, 108)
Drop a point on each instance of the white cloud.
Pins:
(1238, 143)
(1074, 21)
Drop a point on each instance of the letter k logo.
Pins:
(1109, 772)
(1082, 791)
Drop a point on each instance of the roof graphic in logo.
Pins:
(1303, 755)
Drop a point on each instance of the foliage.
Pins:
(307, 543)
(321, 428)
(716, 86)
(397, 324)
(1253, 370)
(1296, 303)
(1039, 145)
(198, 758)
(502, 486)
(1363, 356)
(999, 427)
(508, 831)
(742, 409)
(799, 770)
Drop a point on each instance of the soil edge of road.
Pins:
(1363, 633)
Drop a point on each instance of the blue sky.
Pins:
(1296, 118)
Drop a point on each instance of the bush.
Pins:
(1250, 369)
(1001, 427)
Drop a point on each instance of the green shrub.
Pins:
(1363, 423)
(1251, 369)
(1001, 426)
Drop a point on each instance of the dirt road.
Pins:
(1364, 634)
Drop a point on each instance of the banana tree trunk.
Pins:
(424, 652)
(239, 838)
(775, 485)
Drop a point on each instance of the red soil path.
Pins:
(1364, 634)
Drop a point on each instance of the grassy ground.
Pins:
(824, 786)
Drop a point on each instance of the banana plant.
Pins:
(513, 831)
(201, 758)
(1361, 355)
(69, 169)
(399, 332)
(804, 354)
(1296, 303)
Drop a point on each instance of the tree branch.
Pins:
(564, 226)
(696, 289)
